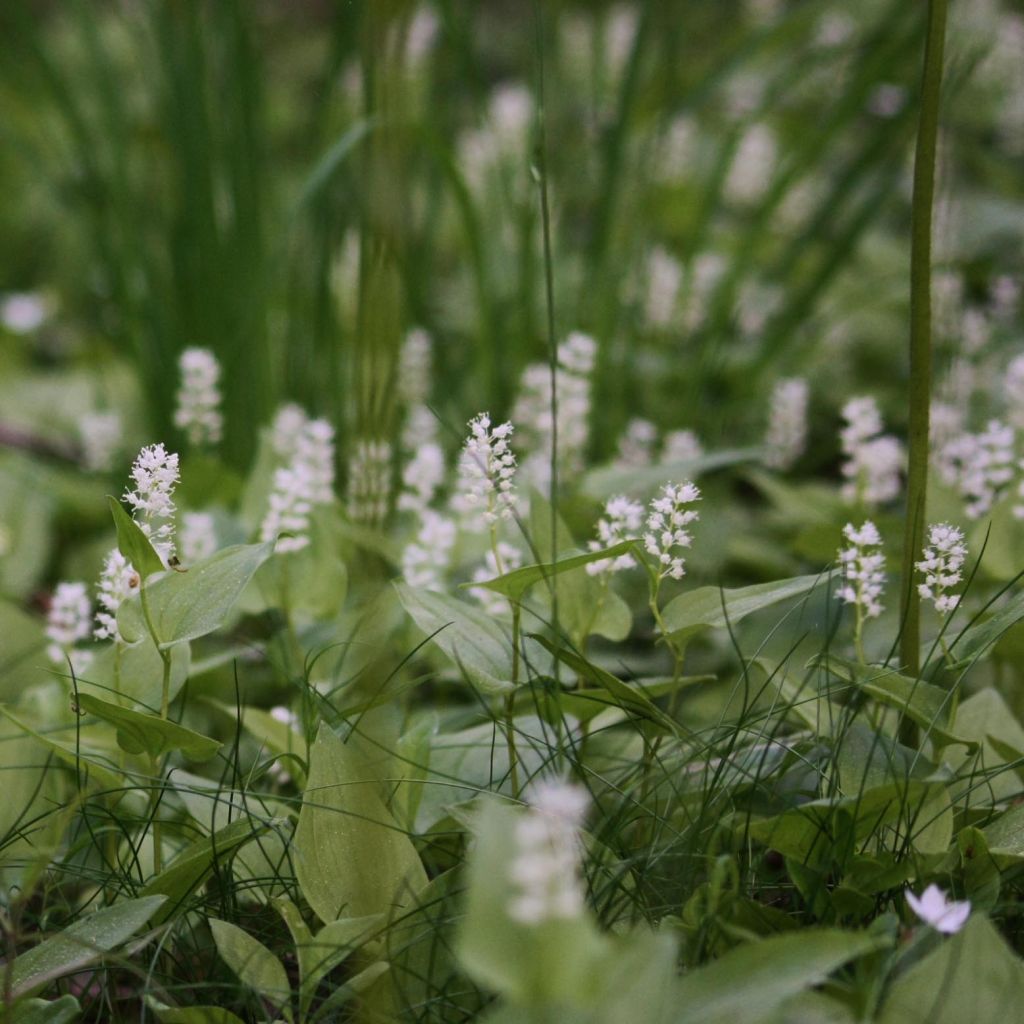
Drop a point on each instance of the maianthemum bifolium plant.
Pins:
(422, 713)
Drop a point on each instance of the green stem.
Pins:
(920, 343)
(510, 700)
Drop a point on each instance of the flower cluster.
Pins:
(197, 537)
(622, 520)
(118, 580)
(425, 560)
(498, 561)
(786, 437)
(942, 566)
(68, 621)
(369, 482)
(667, 524)
(422, 476)
(101, 435)
(680, 446)
(288, 510)
(155, 475)
(863, 570)
(487, 467)
(414, 368)
(636, 446)
(289, 422)
(545, 868)
(198, 412)
(874, 461)
(979, 466)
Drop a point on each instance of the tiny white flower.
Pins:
(118, 580)
(198, 412)
(622, 520)
(942, 566)
(681, 446)
(69, 621)
(863, 570)
(289, 422)
(979, 466)
(101, 435)
(285, 716)
(485, 492)
(636, 446)
(155, 475)
(425, 560)
(664, 277)
(874, 461)
(667, 534)
(414, 368)
(786, 437)
(421, 477)
(752, 165)
(24, 312)
(936, 909)
(289, 509)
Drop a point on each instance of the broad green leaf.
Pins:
(194, 1015)
(27, 508)
(469, 636)
(716, 607)
(80, 944)
(971, 976)
(514, 584)
(22, 658)
(44, 1011)
(979, 637)
(606, 481)
(189, 604)
(923, 703)
(190, 868)
(132, 542)
(254, 964)
(135, 672)
(274, 737)
(142, 733)
(350, 856)
(749, 984)
(986, 718)
(1005, 836)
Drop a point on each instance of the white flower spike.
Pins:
(667, 523)
(942, 566)
(935, 909)
(863, 570)
(198, 413)
(487, 466)
(155, 475)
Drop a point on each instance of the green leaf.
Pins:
(971, 976)
(195, 1015)
(135, 672)
(189, 604)
(132, 542)
(750, 983)
(468, 635)
(44, 1011)
(514, 584)
(254, 964)
(141, 733)
(606, 481)
(351, 858)
(972, 643)
(923, 703)
(80, 944)
(191, 867)
(716, 607)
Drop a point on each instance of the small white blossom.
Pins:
(636, 446)
(101, 436)
(288, 510)
(874, 461)
(979, 466)
(118, 580)
(487, 466)
(420, 427)
(425, 560)
(942, 566)
(752, 167)
(622, 520)
(314, 451)
(421, 478)
(198, 413)
(285, 716)
(863, 570)
(289, 423)
(681, 446)
(24, 312)
(667, 524)
(508, 558)
(155, 475)
(664, 276)
(786, 437)
(197, 537)
(936, 909)
(68, 621)
(545, 868)
(369, 481)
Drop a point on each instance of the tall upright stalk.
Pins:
(920, 341)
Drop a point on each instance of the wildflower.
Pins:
(636, 446)
(874, 460)
(936, 909)
(979, 466)
(863, 570)
(786, 437)
(118, 580)
(664, 276)
(499, 560)
(197, 538)
(425, 560)
(942, 566)
(101, 436)
(545, 868)
(198, 412)
(285, 716)
(666, 526)
(288, 509)
(414, 366)
(681, 446)
(369, 481)
(422, 476)
(752, 166)
(622, 520)
(487, 469)
(289, 423)
(67, 622)
(24, 312)
(945, 422)
(420, 427)
(155, 475)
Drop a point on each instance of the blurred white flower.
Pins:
(314, 451)
(288, 510)
(786, 437)
(425, 560)
(636, 446)
(942, 566)
(752, 167)
(197, 537)
(664, 276)
(369, 481)
(545, 866)
(681, 446)
(936, 909)
(68, 621)
(863, 570)
(421, 477)
(414, 368)
(155, 475)
(24, 312)
(289, 422)
(101, 436)
(887, 100)
(1013, 391)
(667, 523)
(979, 466)
(874, 461)
(118, 580)
(485, 491)
(508, 558)
(622, 520)
(198, 412)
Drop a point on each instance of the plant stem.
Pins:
(510, 700)
(920, 343)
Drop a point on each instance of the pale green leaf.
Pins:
(254, 964)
